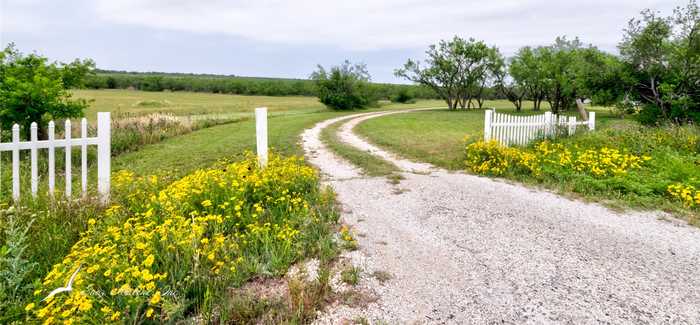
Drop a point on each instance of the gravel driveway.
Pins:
(468, 249)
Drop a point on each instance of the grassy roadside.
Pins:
(437, 136)
(371, 165)
(590, 166)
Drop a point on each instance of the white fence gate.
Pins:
(102, 141)
(520, 130)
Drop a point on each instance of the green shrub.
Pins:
(403, 97)
(344, 87)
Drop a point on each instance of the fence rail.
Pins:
(102, 141)
(520, 130)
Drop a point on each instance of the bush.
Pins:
(163, 255)
(643, 166)
(403, 97)
(344, 87)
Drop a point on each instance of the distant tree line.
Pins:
(656, 75)
(152, 81)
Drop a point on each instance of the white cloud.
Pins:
(371, 24)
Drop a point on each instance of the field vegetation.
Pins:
(233, 85)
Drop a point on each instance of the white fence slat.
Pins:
(497, 127)
(488, 116)
(52, 158)
(69, 176)
(103, 142)
(15, 162)
(104, 154)
(33, 159)
(83, 156)
(521, 130)
(261, 134)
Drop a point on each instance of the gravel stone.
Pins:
(469, 249)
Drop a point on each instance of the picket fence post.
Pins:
(548, 124)
(104, 154)
(591, 121)
(488, 118)
(261, 134)
(52, 158)
(15, 162)
(572, 125)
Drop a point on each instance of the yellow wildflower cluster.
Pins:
(688, 194)
(492, 158)
(597, 162)
(192, 236)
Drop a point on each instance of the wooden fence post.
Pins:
(261, 134)
(104, 155)
(52, 158)
(69, 165)
(15, 162)
(488, 118)
(591, 121)
(548, 123)
(33, 158)
(572, 125)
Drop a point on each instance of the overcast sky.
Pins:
(288, 38)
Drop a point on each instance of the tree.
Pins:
(35, 90)
(509, 87)
(663, 54)
(344, 87)
(527, 70)
(457, 70)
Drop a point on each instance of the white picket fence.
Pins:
(102, 141)
(520, 130)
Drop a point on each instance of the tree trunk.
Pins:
(581, 109)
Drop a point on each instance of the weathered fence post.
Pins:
(488, 118)
(104, 154)
(591, 121)
(261, 134)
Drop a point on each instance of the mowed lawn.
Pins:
(438, 136)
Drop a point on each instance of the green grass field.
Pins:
(188, 103)
(437, 136)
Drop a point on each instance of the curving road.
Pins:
(468, 249)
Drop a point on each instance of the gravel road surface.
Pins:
(459, 249)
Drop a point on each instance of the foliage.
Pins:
(663, 55)
(404, 97)
(228, 84)
(164, 254)
(685, 193)
(34, 90)
(130, 133)
(457, 70)
(344, 87)
(651, 167)
(15, 267)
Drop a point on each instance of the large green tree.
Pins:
(457, 70)
(32, 89)
(663, 55)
